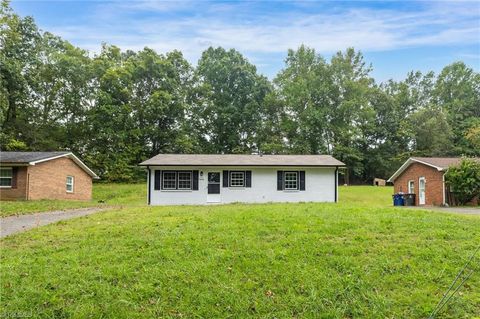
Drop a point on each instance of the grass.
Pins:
(366, 195)
(103, 195)
(356, 259)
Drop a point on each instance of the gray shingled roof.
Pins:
(27, 157)
(440, 163)
(30, 158)
(241, 160)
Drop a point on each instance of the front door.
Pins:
(213, 194)
(421, 191)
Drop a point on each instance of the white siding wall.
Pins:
(319, 187)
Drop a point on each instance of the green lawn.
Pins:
(103, 195)
(360, 258)
(366, 195)
(136, 195)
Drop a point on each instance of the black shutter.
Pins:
(195, 180)
(248, 178)
(14, 177)
(279, 180)
(302, 180)
(225, 178)
(157, 180)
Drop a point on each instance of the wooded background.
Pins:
(117, 108)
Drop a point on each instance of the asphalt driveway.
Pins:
(456, 210)
(15, 224)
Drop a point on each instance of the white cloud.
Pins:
(192, 27)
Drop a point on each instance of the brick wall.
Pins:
(18, 192)
(433, 183)
(48, 180)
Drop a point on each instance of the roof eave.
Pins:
(407, 163)
(82, 165)
(252, 165)
(69, 155)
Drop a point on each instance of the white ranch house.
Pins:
(177, 179)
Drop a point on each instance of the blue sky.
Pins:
(396, 37)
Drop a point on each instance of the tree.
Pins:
(432, 135)
(472, 136)
(457, 91)
(63, 96)
(352, 113)
(464, 180)
(117, 108)
(230, 107)
(305, 90)
(140, 109)
(20, 43)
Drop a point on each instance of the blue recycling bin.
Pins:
(398, 200)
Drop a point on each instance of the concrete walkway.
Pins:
(457, 210)
(15, 224)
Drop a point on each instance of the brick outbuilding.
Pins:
(44, 175)
(425, 177)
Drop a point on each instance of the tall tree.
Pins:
(432, 133)
(305, 89)
(352, 119)
(457, 91)
(20, 44)
(231, 105)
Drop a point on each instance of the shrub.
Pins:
(464, 180)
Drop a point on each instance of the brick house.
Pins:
(424, 177)
(44, 175)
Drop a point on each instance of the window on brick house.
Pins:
(69, 184)
(6, 177)
(411, 187)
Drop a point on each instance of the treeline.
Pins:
(117, 108)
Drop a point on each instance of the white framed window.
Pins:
(184, 180)
(169, 180)
(237, 179)
(291, 181)
(6, 176)
(69, 184)
(411, 187)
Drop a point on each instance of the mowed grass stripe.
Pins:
(275, 260)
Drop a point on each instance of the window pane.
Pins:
(69, 184)
(237, 179)
(6, 172)
(5, 182)
(411, 188)
(291, 180)
(214, 177)
(184, 180)
(169, 180)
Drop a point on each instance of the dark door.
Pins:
(214, 183)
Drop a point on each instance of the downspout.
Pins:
(149, 177)
(27, 190)
(443, 189)
(336, 184)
